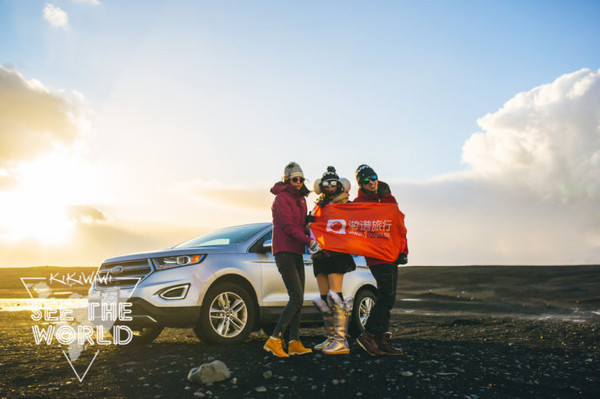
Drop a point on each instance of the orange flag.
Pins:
(371, 229)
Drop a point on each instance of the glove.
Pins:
(314, 247)
(310, 218)
(402, 259)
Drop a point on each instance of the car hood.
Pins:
(175, 252)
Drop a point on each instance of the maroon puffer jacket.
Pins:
(383, 195)
(289, 218)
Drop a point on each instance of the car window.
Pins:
(226, 236)
(258, 246)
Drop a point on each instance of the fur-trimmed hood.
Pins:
(338, 197)
(344, 182)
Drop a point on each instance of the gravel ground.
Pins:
(447, 357)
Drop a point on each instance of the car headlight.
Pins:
(170, 262)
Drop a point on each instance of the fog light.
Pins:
(175, 292)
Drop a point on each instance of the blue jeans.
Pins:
(291, 268)
(386, 276)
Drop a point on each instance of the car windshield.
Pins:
(226, 236)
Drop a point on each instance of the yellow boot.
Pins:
(295, 347)
(275, 346)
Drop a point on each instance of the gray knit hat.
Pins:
(292, 169)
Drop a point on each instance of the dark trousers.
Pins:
(386, 276)
(291, 268)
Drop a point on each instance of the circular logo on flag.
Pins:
(337, 226)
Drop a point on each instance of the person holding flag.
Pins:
(329, 268)
(376, 340)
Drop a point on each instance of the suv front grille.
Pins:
(122, 274)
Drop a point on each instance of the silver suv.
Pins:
(223, 284)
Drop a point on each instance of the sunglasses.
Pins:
(331, 183)
(366, 180)
(297, 179)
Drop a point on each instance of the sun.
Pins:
(38, 206)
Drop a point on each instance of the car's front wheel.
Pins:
(363, 303)
(227, 315)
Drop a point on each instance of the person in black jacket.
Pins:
(376, 340)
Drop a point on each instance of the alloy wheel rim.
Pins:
(365, 309)
(228, 314)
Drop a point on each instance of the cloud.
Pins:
(546, 140)
(33, 120)
(468, 220)
(7, 182)
(85, 214)
(89, 2)
(94, 242)
(56, 17)
(240, 197)
(533, 192)
(243, 198)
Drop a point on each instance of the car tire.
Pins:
(143, 336)
(227, 316)
(363, 303)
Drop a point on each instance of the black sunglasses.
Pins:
(297, 179)
(366, 180)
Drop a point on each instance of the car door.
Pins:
(311, 289)
(274, 293)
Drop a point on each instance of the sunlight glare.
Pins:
(38, 208)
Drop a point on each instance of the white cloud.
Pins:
(56, 17)
(546, 139)
(533, 193)
(86, 214)
(34, 120)
(89, 2)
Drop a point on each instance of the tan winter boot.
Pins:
(275, 346)
(295, 347)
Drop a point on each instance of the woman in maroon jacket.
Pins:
(289, 239)
(376, 339)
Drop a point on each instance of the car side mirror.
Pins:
(267, 246)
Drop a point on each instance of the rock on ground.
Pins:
(209, 373)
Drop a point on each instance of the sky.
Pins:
(131, 126)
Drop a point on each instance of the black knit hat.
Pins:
(364, 171)
(330, 174)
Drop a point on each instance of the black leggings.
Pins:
(386, 276)
(291, 268)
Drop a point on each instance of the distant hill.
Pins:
(572, 291)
